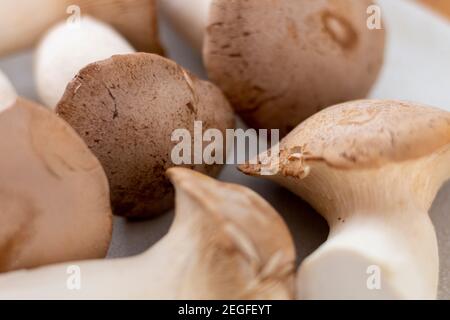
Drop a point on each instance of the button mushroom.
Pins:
(54, 196)
(7, 93)
(23, 22)
(126, 108)
(372, 169)
(279, 62)
(226, 243)
(66, 48)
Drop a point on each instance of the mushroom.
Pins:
(372, 169)
(67, 48)
(54, 196)
(226, 242)
(7, 93)
(279, 62)
(126, 108)
(23, 22)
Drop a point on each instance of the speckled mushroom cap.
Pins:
(126, 109)
(279, 62)
(54, 195)
(365, 134)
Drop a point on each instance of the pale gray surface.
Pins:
(308, 228)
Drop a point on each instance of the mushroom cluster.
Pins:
(105, 146)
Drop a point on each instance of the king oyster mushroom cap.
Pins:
(226, 243)
(372, 169)
(66, 48)
(279, 62)
(54, 196)
(126, 108)
(7, 93)
(134, 19)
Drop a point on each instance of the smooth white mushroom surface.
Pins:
(67, 48)
(7, 92)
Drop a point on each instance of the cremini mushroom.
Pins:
(7, 92)
(372, 169)
(226, 242)
(54, 196)
(127, 108)
(66, 48)
(23, 22)
(279, 62)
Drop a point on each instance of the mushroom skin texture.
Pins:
(54, 195)
(372, 169)
(23, 22)
(66, 48)
(226, 242)
(279, 62)
(7, 93)
(126, 109)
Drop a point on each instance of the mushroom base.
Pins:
(371, 260)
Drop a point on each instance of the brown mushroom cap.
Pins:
(370, 133)
(279, 62)
(54, 201)
(126, 108)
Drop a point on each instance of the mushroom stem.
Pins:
(372, 259)
(7, 93)
(189, 17)
(372, 169)
(380, 231)
(215, 249)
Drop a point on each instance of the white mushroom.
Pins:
(372, 169)
(67, 48)
(7, 93)
(225, 243)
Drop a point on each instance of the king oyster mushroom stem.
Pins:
(23, 22)
(7, 93)
(372, 169)
(279, 62)
(226, 242)
(127, 109)
(54, 195)
(66, 48)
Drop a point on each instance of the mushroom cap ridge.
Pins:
(370, 134)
